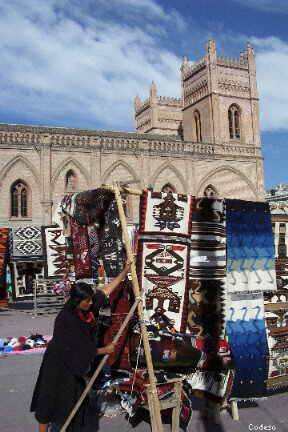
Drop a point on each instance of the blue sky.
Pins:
(80, 63)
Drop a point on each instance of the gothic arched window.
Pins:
(168, 188)
(19, 200)
(197, 121)
(234, 122)
(210, 192)
(70, 181)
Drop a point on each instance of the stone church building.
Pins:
(206, 142)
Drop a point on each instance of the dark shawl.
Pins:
(66, 361)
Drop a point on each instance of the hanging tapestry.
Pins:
(208, 239)
(4, 250)
(163, 257)
(165, 213)
(250, 247)
(248, 341)
(54, 248)
(111, 244)
(163, 278)
(68, 204)
(81, 250)
(26, 243)
(206, 308)
(94, 246)
(120, 305)
(207, 291)
(276, 317)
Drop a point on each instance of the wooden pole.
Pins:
(100, 366)
(155, 415)
(123, 189)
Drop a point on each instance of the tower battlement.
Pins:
(158, 114)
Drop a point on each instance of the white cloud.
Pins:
(271, 6)
(62, 65)
(272, 78)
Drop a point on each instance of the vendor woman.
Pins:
(68, 359)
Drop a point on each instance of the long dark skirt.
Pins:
(56, 392)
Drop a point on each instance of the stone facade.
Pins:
(166, 150)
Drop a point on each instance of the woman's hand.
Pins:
(109, 288)
(127, 266)
(108, 349)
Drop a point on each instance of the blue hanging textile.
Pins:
(250, 272)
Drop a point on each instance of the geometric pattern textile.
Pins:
(94, 246)
(250, 247)
(207, 293)
(81, 250)
(120, 306)
(206, 308)
(26, 243)
(165, 213)
(97, 211)
(163, 278)
(111, 248)
(163, 257)
(4, 250)
(208, 239)
(54, 248)
(247, 337)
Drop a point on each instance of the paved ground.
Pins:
(18, 375)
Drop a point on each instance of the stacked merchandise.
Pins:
(250, 273)
(33, 343)
(4, 251)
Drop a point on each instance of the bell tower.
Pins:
(220, 99)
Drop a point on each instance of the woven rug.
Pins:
(54, 251)
(111, 244)
(165, 213)
(248, 340)
(81, 250)
(4, 249)
(207, 290)
(276, 317)
(208, 239)
(163, 277)
(94, 246)
(206, 308)
(163, 257)
(26, 243)
(68, 204)
(120, 305)
(250, 247)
